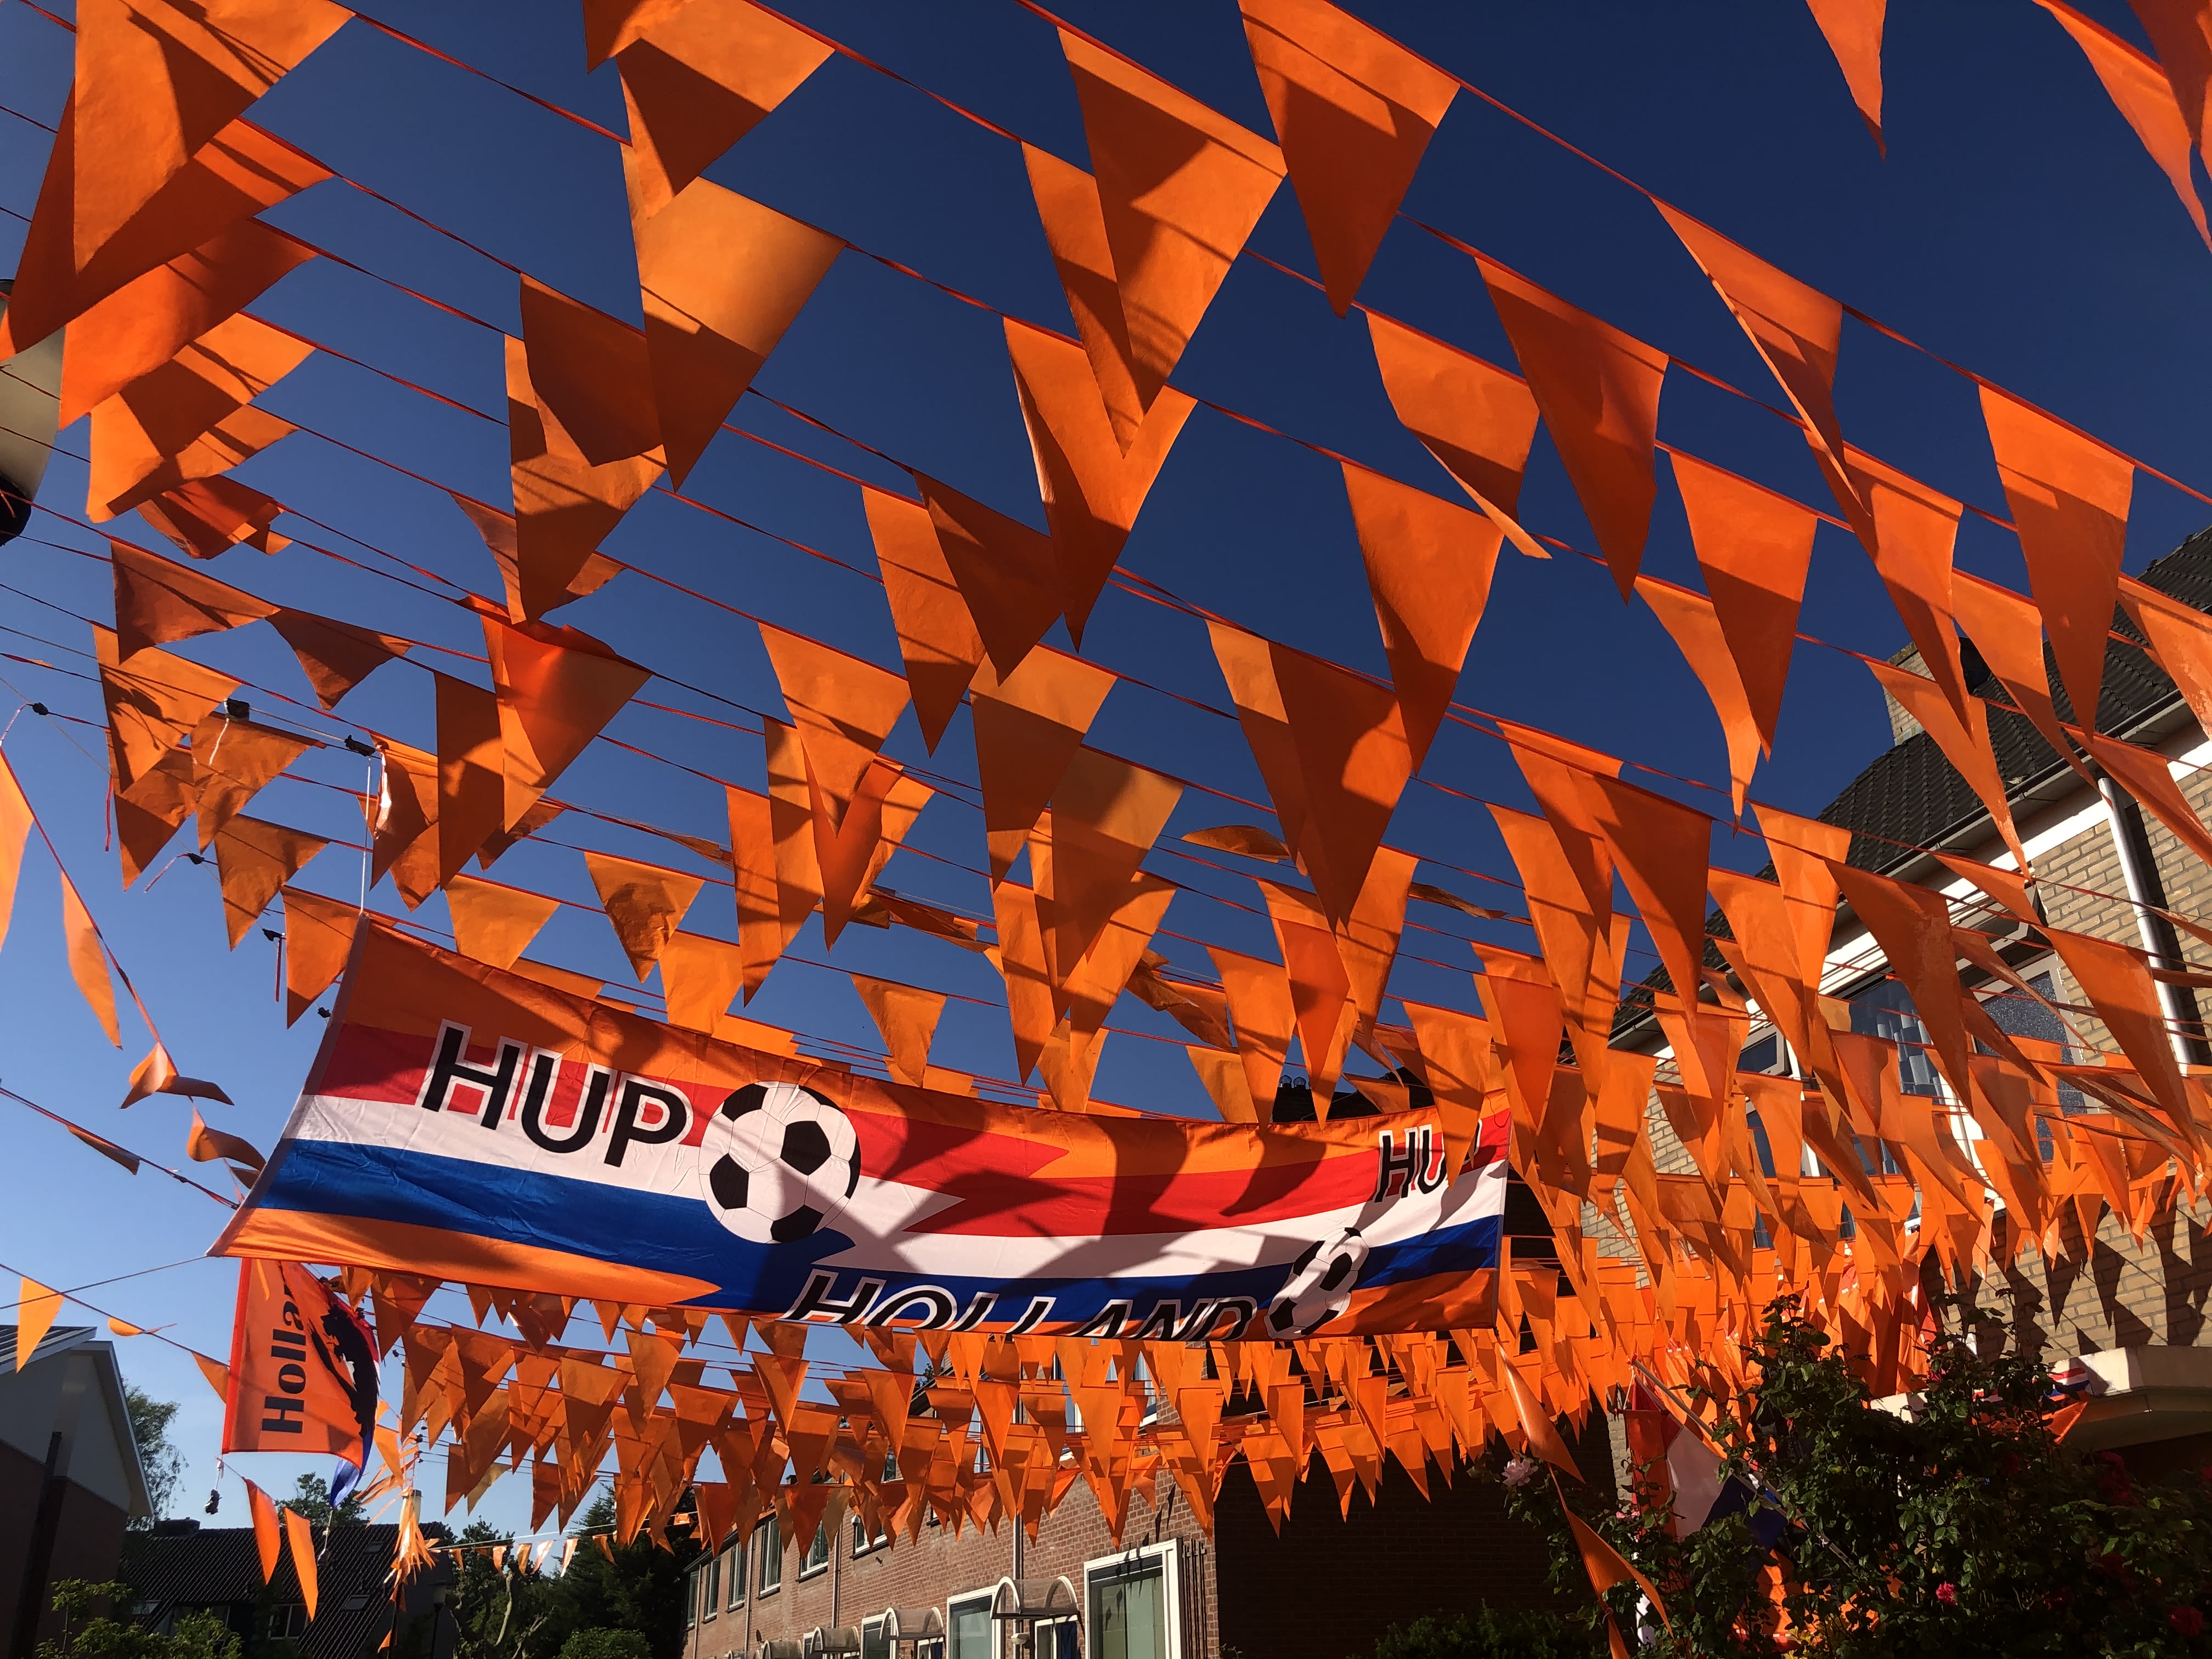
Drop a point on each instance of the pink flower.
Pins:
(2187, 1621)
(1520, 1471)
(1947, 1593)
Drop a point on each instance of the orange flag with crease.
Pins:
(907, 1017)
(1661, 848)
(88, 959)
(697, 76)
(1180, 187)
(1029, 726)
(2141, 92)
(1260, 1006)
(1429, 564)
(2008, 631)
(149, 320)
(1100, 977)
(1093, 487)
(335, 656)
(796, 853)
(1599, 392)
(564, 504)
(1852, 29)
(1074, 225)
(235, 174)
(1964, 743)
(470, 775)
(700, 977)
(158, 79)
(843, 708)
(723, 279)
(1331, 747)
(2069, 497)
(1106, 814)
(202, 518)
(644, 902)
(1916, 530)
(1753, 547)
(1321, 990)
(494, 922)
(254, 859)
(938, 641)
(159, 602)
(1008, 574)
(1019, 957)
(1478, 420)
(1796, 330)
(1355, 112)
(15, 821)
(1576, 941)
(1367, 941)
(143, 435)
(232, 761)
(557, 687)
(2180, 638)
(589, 371)
(761, 935)
(1692, 621)
(318, 938)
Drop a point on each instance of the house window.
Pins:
(968, 1628)
(1055, 1638)
(929, 1647)
(286, 1622)
(691, 1600)
(861, 1543)
(817, 1553)
(1885, 1009)
(1131, 1606)
(738, 1559)
(771, 1556)
(2019, 1016)
(710, 1602)
(874, 1643)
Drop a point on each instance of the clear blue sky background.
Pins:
(2017, 227)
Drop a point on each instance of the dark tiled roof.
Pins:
(1910, 796)
(222, 1565)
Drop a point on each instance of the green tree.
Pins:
(89, 1632)
(1963, 1528)
(642, 1589)
(161, 1462)
(1490, 1634)
(310, 1497)
(498, 1612)
(599, 1644)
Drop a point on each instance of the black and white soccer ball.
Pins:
(778, 1163)
(1320, 1286)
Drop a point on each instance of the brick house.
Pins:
(69, 1477)
(2133, 1313)
(1166, 1592)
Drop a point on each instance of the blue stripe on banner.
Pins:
(663, 1233)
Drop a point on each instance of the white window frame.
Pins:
(710, 1578)
(1039, 1626)
(769, 1527)
(971, 1599)
(698, 1583)
(808, 1566)
(1170, 1561)
(740, 1573)
(875, 1627)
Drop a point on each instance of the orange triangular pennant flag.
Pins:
(15, 821)
(1227, 1083)
(1106, 814)
(87, 958)
(696, 78)
(723, 279)
(335, 656)
(1915, 530)
(1693, 622)
(589, 373)
(158, 603)
(2007, 629)
(1029, 726)
(152, 701)
(761, 933)
(301, 1539)
(1599, 390)
(938, 640)
(1019, 957)
(1008, 574)
(36, 1307)
(556, 687)
(1478, 420)
(149, 815)
(1964, 743)
(1355, 112)
(700, 977)
(1429, 564)
(907, 1017)
(493, 922)
(844, 709)
(1320, 988)
(1754, 547)
(1093, 489)
(2069, 497)
(1074, 224)
(204, 517)
(254, 859)
(1260, 1004)
(1853, 31)
(471, 758)
(318, 938)
(268, 1537)
(644, 902)
(2141, 94)
(1180, 188)
(157, 1074)
(232, 761)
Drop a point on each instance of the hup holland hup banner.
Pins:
(475, 1125)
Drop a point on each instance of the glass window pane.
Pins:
(969, 1628)
(1128, 1614)
(771, 1560)
(737, 1564)
(872, 1643)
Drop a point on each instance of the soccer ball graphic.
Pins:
(1320, 1285)
(777, 1163)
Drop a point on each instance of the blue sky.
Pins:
(2017, 227)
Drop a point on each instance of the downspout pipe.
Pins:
(2147, 895)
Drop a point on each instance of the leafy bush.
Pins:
(602, 1643)
(89, 1633)
(1490, 1633)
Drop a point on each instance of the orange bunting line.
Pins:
(2139, 89)
(1853, 31)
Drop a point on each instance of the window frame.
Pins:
(874, 1628)
(953, 1603)
(740, 1564)
(768, 1532)
(710, 1574)
(1129, 1563)
(691, 1592)
(808, 1566)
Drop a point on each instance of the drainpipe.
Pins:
(2185, 1024)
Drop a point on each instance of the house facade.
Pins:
(2123, 1315)
(70, 1478)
